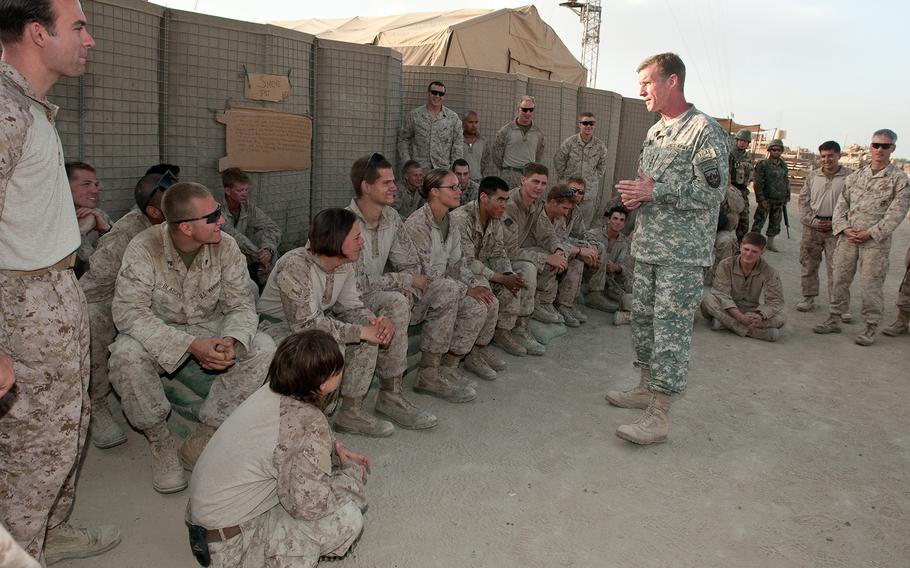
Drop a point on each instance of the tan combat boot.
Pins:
(639, 397)
(652, 426)
(900, 326)
(622, 317)
(477, 364)
(392, 404)
(598, 301)
(106, 433)
(448, 369)
(66, 541)
(430, 381)
(491, 358)
(568, 316)
(867, 337)
(167, 473)
(521, 333)
(830, 325)
(192, 447)
(503, 338)
(771, 334)
(353, 419)
(807, 305)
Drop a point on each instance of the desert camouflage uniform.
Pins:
(903, 293)
(485, 250)
(253, 230)
(301, 295)
(273, 471)
(674, 233)
(771, 185)
(160, 306)
(513, 150)
(441, 259)
(587, 160)
(819, 188)
(434, 141)
(740, 175)
(98, 285)
(43, 323)
(479, 157)
(407, 201)
(733, 289)
(87, 246)
(614, 284)
(529, 239)
(874, 202)
(725, 241)
(469, 193)
(563, 288)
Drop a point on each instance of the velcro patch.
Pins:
(712, 174)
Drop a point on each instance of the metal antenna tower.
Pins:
(589, 13)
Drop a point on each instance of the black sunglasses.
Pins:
(436, 93)
(375, 159)
(587, 123)
(209, 219)
(577, 190)
(568, 193)
(881, 145)
(526, 109)
(775, 149)
(167, 180)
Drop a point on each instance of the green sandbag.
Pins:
(545, 332)
(195, 378)
(183, 400)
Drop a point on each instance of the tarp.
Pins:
(734, 127)
(510, 40)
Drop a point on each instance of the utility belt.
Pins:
(201, 538)
(64, 264)
(823, 218)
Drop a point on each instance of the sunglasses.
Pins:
(577, 190)
(209, 219)
(881, 145)
(526, 109)
(568, 193)
(167, 180)
(438, 93)
(775, 149)
(375, 159)
(587, 123)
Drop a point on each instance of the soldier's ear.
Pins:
(36, 33)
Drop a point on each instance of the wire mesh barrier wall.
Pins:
(157, 77)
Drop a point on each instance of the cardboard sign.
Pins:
(265, 140)
(260, 87)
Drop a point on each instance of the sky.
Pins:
(819, 69)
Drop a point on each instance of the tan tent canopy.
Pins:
(734, 127)
(510, 40)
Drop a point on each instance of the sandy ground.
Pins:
(789, 454)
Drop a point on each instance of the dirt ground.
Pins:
(792, 454)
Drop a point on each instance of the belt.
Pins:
(218, 535)
(822, 218)
(513, 169)
(64, 264)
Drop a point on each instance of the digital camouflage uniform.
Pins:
(874, 202)
(272, 470)
(674, 233)
(98, 285)
(301, 295)
(442, 260)
(253, 230)
(733, 289)
(817, 199)
(87, 246)
(513, 149)
(484, 248)
(434, 141)
(469, 193)
(530, 239)
(587, 160)
(740, 176)
(160, 306)
(613, 284)
(479, 156)
(407, 201)
(43, 321)
(772, 185)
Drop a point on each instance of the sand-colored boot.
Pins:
(192, 447)
(489, 355)
(504, 339)
(771, 334)
(638, 397)
(448, 369)
(807, 305)
(900, 326)
(546, 313)
(521, 333)
(867, 337)
(475, 363)
(432, 382)
(830, 325)
(652, 426)
(599, 301)
(392, 404)
(353, 419)
(106, 433)
(167, 473)
(568, 316)
(66, 541)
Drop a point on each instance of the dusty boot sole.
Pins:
(169, 490)
(406, 425)
(53, 559)
(349, 430)
(891, 332)
(452, 399)
(629, 438)
(112, 443)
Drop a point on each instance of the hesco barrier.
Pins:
(157, 77)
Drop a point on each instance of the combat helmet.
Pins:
(744, 134)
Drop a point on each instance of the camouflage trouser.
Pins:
(710, 308)
(561, 288)
(511, 177)
(136, 374)
(392, 360)
(812, 245)
(774, 214)
(437, 309)
(277, 540)
(588, 208)
(511, 307)
(103, 333)
(613, 284)
(44, 418)
(474, 324)
(742, 226)
(903, 293)
(664, 299)
(873, 267)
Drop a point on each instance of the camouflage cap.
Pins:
(744, 134)
(776, 142)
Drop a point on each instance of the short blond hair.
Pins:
(667, 64)
(177, 203)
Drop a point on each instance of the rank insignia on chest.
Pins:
(712, 174)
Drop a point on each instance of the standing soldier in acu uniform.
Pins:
(740, 175)
(772, 192)
(681, 179)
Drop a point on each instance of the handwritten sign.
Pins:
(265, 140)
(260, 87)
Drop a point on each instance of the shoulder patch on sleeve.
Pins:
(712, 174)
(705, 154)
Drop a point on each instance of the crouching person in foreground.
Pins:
(736, 302)
(182, 294)
(273, 488)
